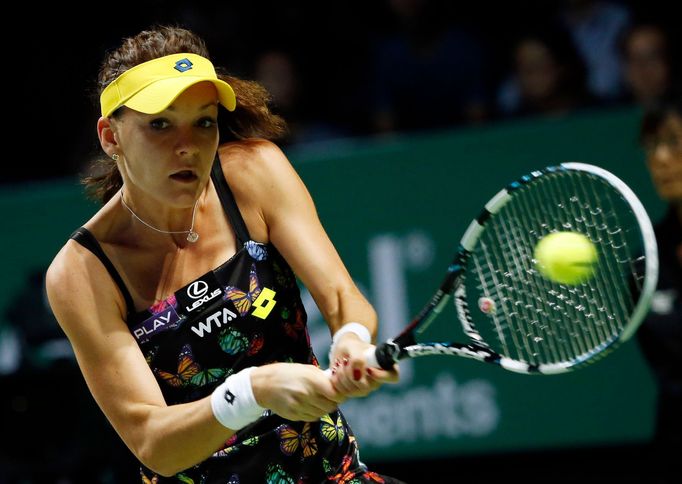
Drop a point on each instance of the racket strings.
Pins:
(584, 212)
(624, 256)
(521, 319)
(496, 283)
(581, 214)
(557, 335)
(528, 325)
(616, 258)
(538, 321)
(561, 300)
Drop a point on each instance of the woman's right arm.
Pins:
(166, 439)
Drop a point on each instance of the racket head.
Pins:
(528, 323)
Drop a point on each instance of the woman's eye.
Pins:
(207, 122)
(159, 123)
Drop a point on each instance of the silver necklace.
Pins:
(192, 236)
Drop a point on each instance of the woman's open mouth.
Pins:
(184, 176)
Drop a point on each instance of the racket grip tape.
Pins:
(381, 356)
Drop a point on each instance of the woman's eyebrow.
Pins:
(205, 106)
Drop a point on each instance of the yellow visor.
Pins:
(152, 86)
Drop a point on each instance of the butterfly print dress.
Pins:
(247, 312)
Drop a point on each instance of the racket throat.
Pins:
(390, 352)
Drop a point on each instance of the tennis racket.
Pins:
(512, 315)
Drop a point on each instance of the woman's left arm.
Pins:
(293, 226)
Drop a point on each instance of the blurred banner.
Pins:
(395, 209)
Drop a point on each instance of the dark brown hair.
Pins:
(655, 116)
(251, 118)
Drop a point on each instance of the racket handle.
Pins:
(371, 357)
(381, 356)
(376, 357)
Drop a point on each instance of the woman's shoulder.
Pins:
(69, 257)
(74, 279)
(253, 166)
(261, 179)
(76, 266)
(250, 154)
(73, 263)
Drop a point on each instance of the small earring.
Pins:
(115, 157)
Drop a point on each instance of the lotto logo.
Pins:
(229, 397)
(264, 303)
(183, 65)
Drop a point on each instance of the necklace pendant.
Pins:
(192, 236)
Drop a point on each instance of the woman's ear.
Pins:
(107, 137)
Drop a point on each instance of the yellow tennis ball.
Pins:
(566, 257)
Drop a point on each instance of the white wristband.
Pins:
(233, 403)
(359, 329)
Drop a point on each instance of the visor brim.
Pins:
(159, 95)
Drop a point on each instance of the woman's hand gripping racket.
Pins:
(519, 319)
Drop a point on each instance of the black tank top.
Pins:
(246, 312)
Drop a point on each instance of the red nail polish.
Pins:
(356, 374)
(345, 362)
(370, 372)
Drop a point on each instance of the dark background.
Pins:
(58, 47)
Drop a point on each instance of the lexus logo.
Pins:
(197, 289)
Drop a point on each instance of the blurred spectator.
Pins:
(648, 58)
(279, 74)
(660, 336)
(276, 71)
(596, 28)
(548, 76)
(427, 74)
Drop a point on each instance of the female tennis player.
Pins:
(179, 295)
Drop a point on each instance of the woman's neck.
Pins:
(163, 222)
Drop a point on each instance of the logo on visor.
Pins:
(183, 65)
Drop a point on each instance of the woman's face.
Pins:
(168, 155)
(664, 157)
(537, 71)
(646, 68)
